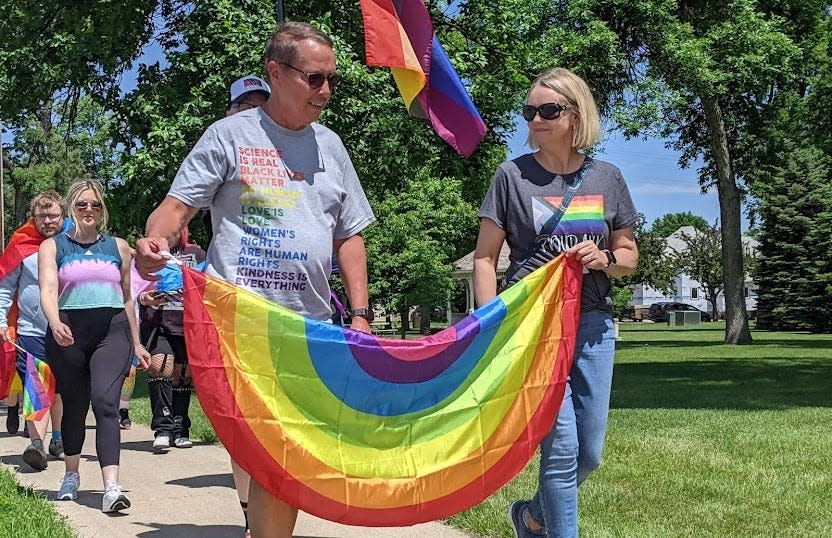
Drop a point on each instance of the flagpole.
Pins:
(279, 12)
(17, 346)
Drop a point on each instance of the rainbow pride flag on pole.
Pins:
(399, 34)
(373, 431)
(38, 388)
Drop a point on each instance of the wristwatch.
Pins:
(366, 313)
(610, 258)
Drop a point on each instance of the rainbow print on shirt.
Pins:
(583, 217)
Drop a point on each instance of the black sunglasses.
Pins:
(548, 111)
(83, 204)
(316, 80)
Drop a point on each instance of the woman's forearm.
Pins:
(485, 280)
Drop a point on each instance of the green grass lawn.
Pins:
(24, 513)
(704, 439)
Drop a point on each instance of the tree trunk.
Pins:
(424, 319)
(713, 295)
(404, 323)
(736, 317)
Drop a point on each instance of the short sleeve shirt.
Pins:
(278, 200)
(523, 195)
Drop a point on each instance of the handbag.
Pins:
(535, 257)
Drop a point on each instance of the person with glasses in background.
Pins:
(597, 230)
(20, 286)
(246, 93)
(274, 177)
(84, 278)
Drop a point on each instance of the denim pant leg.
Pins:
(572, 450)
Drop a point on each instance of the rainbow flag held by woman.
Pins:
(38, 388)
(374, 431)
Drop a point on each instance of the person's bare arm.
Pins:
(48, 284)
(161, 234)
(127, 293)
(352, 261)
(486, 255)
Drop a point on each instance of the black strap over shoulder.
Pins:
(548, 227)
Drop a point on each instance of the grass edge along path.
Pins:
(26, 513)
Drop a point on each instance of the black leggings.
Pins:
(93, 369)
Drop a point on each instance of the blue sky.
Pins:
(657, 184)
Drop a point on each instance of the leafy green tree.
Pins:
(788, 166)
(669, 223)
(412, 246)
(794, 271)
(702, 72)
(701, 260)
(655, 268)
(63, 50)
(49, 152)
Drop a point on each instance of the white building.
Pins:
(689, 290)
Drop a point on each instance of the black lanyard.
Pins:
(551, 223)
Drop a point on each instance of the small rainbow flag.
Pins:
(38, 388)
(399, 34)
(373, 431)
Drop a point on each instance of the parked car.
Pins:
(658, 311)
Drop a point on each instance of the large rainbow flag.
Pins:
(399, 34)
(374, 431)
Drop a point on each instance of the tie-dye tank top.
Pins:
(89, 275)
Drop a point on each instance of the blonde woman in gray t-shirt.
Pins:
(597, 229)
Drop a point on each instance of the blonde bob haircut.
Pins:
(568, 84)
(74, 193)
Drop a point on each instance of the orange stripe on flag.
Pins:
(387, 45)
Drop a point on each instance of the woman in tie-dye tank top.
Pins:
(84, 278)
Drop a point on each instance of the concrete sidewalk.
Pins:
(181, 493)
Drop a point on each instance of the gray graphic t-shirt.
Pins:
(523, 195)
(278, 198)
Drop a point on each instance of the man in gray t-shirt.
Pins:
(283, 196)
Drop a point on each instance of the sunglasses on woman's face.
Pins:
(83, 204)
(547, 111)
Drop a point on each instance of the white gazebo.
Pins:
(464, 271)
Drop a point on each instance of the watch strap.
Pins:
(362, 312)
(610, 257)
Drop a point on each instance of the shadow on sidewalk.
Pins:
(190, 531)
(20, 467)
(223, 480)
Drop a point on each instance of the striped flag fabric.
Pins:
(399, 34)
(38, 388)
(373, 431)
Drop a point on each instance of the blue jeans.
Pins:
(572, 449)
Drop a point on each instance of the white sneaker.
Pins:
(161, 443)
(68, 490)
(114, 500)
(183, 442)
